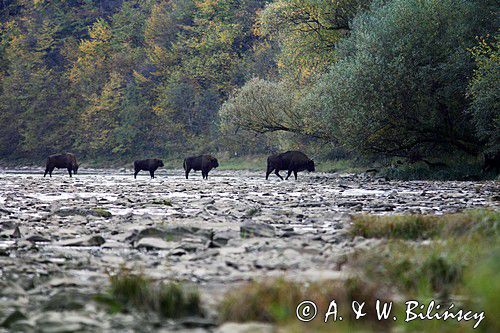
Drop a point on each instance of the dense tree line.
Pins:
(416, 79)
(122, 78)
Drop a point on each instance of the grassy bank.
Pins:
(134, 292)
(459, 263)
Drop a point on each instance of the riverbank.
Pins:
(61, 239)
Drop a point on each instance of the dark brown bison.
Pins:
(293, 161)
(205, 163)
(150, 164)
(66, 161)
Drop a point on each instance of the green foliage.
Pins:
(484, 284)
(135, 292)
(483, 88)
(307, 32)
(123, 78)
(128, 79)
(399, 89)
(262, 106)
(454, 168)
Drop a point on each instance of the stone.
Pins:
(251, 229)
(83, 241)
(154, 243)
(13, 317)
(97, 212)
(16, 233)
(251, 327)
(37, 238)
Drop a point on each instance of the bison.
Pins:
(293, 161)
(66, 161)
(150, 164)
(205, 163)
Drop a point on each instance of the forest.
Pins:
(375, 81)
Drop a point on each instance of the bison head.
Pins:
(75, 168)
(310, 166)
(214, 162)
(160, 163)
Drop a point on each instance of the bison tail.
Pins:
(184, 164)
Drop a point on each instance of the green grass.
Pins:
(102, 212)
(484, 283)
(275, 300)
(130, 292)
(426, 226)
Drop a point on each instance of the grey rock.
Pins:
(16, 233)
(65, 321)
(83, 241)
(13, 317)
(171, 233)
(251, 229)
(37, 238)
(67, 300)
(154, 243)
(251, 327)
(97, 212)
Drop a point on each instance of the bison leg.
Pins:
(295, 174)
(48, 170)
(277, 172)
(289, 173)
(69, 171)
(268, 172)
(187, 173)
(152, 174)
(136, 171)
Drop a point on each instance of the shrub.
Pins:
(129, 292)
(399, 89)
(484, 222)
(276, 300)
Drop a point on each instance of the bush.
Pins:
(134, 292)
(276, 300)
(399, 89)
(483, 88)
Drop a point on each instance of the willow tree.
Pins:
(483, 89)
(399, 88)
(307, 32)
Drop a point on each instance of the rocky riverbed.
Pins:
(60, 237)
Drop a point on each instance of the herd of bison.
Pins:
(291, 161)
